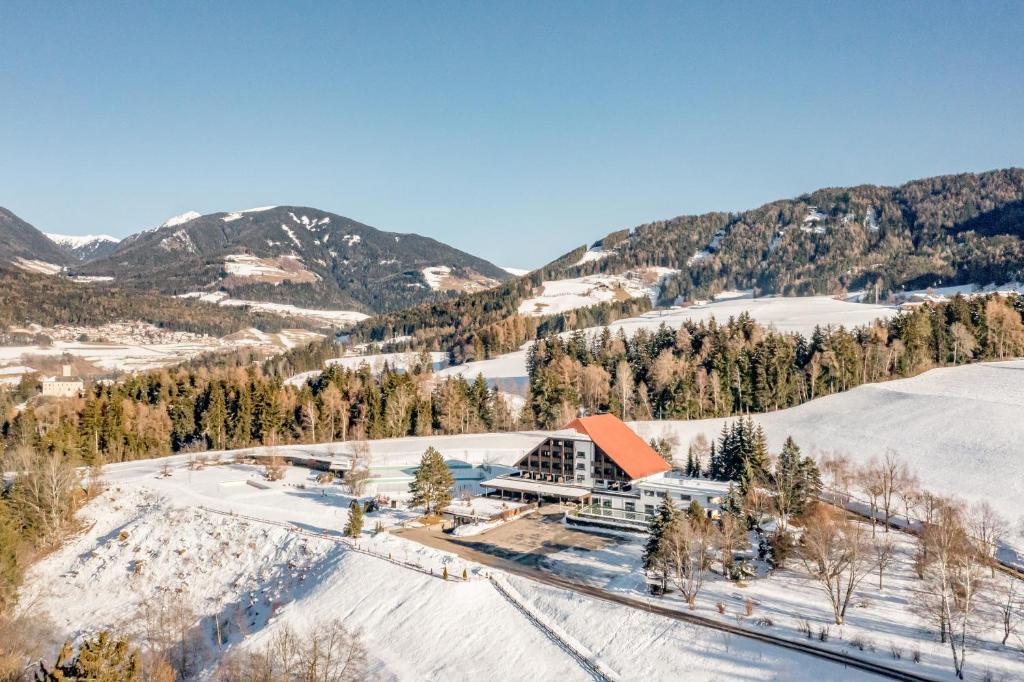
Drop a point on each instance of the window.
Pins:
(581, 466)
(648, 493)
(579, 479)
(607, 504)
(684, 498)
(581, 455)
(660, 493)
(631, 506)
(649, 509)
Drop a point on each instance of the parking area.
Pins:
(527, 541)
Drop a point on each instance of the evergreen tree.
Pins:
(692, 467)
(354, 525)
(432, 485)
(654, 558)
(810, 483)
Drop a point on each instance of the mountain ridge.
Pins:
(294, 254)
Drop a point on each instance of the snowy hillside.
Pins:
(786, 314)
(558, 296)
(958, 428)
(149, 545)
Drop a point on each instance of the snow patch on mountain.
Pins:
(77, 241)
(594, 253)
(39, 266)
(517, 272)
(435, 275)
(557, 296)
(291, 235)
(181, 219)
(180, 240)
(235, 215)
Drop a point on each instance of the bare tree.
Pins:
(963, 341)
(835, 553)
(326, 652)
(1009, 604)
(884, 551)
(893, 478)
(172, 634)
(839, 474)
(43, 491)
(953, 579)
(359, 473)
(273, 469)
(732, 533)
(687, 547)
(624, 388)
(988, 529)
(869, 481)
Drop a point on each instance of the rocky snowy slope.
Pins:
(85, 247)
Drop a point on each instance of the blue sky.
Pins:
(515, 131)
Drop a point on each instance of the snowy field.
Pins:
(148, 542)
(786, 314)
(559, 296)
(879, 622)
(336, 318)
(374, 362)
(959, 428)
(131, 356)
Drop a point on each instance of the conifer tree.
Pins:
(432, 485)
(654, 558)
(354, 525)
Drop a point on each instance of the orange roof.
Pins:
(628, 450)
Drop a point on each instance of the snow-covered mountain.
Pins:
(294, 255)
(85, 247)
(182, 218)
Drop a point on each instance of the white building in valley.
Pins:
(65, 386)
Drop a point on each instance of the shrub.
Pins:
(804, 626)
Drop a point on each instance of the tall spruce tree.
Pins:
(432, 485)
(354, 525)
(654, 557)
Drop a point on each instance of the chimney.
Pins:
(66, 370)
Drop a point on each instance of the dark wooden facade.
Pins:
(554, 459)
(606, 469)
